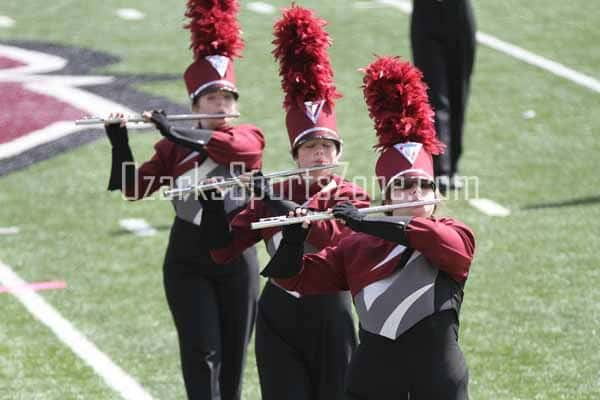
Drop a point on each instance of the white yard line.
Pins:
(518, 53)
(112, 374)
(130, 14)
(137, 226)
(489, 207)
(260, 7)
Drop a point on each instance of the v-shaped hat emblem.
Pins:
(410, 150)
(312, 109)
(219, 63)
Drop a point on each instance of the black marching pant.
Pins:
(424, 363)
(443, 46)
(214, 308)
(303, 345)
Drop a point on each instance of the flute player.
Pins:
(303, 344)
(213, 308)
(406, 271)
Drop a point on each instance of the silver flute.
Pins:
(226, 183)
(136, 119)
(284, 220)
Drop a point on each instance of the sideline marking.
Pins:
(35, 286)
(261, 8)
(112, 374)
(489, 207)
(518, 53)
(130, 14)
(6, 22)
(138, 226)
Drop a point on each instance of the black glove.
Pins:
(294, 234)
(160, 121)
(122, 166)
(214, 225)
(287, 260)
(194, 138)
(261, 188)
(211, 199)
(117, 135)
(349, 213)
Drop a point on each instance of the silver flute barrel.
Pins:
(136, 119)
(226, 183)
(283, 220)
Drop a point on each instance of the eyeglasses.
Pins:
(406, 183)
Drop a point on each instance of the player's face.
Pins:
(317, 152)
(409, 189)
(218, 102)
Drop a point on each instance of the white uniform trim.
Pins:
(406, 171)
(395, 252)
(211, 83)
(316, 129)
(393, 322)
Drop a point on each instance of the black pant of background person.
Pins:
(443, 46)
(303, 345)
(424, 363)
(214, 308)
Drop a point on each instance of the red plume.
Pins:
(214, 27)
(301, 44)
(398, 104)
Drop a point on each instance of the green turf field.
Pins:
(531, 316)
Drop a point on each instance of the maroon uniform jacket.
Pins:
(318, 196)
(390, 298)
(178, 166)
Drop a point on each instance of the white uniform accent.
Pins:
(311, 130)
(193, 178)
(276, 239)
(396, 251)
(195, 175)
(189, 157)
(393, 322)
(376, 289)
(410, 150)
(122, 383)
(312, 109)
(219, 63)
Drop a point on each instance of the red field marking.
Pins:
(6, 63)
(36, 286)
(24, 111)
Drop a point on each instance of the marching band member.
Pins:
(406, 271)
(213, 308)
(303, 344)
